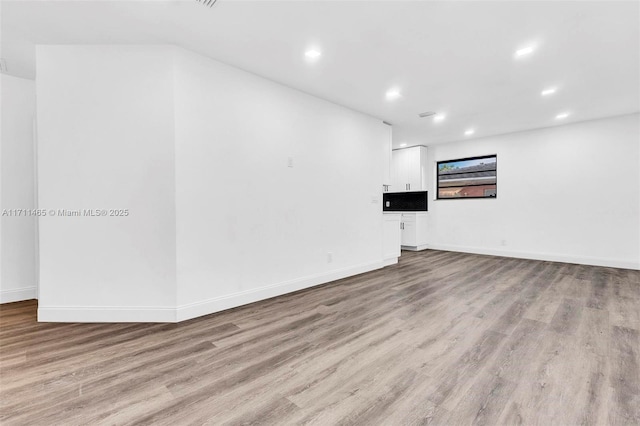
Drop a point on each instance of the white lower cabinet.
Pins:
(413, 229)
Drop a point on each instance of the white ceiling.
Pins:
(451, 57)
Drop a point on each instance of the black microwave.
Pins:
(415, 201)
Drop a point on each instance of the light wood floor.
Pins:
(441, 338)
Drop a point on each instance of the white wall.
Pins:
(567, 193)
(106, 141)
(17, 241)
(233, 224)
(249, 226)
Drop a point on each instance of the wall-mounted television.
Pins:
(473, 177)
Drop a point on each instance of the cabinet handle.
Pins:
(409, 186)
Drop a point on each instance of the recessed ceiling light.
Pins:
(403, 144)
(469, 132)
(312, 54)
(439, 117)
(392, 94)
(548, 91)
(562, 116)
(524, 51)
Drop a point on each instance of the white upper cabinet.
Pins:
(408, 169)
(399, 171)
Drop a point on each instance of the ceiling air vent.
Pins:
(426, 114)
(209, 3)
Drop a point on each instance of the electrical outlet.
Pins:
(329, 257)
(290, 162)
(374, 199)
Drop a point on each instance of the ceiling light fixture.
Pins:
(312, 54)
(548, 91)
(469, 132)
(209, 3)
(562, 116)
(426, 114)
(392, 94)
(524, 51)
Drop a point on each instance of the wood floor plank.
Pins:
(440, 338)
(518, 351)
(625, 375)
(545, 306)
(321, 365)
(414, 408)
(546, 384)
(483, 404)
(456, 379)
(599, 289)
(274, 412)
(567, 317)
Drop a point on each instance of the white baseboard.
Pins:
(389, 262)
(106, 314)
(551, 257)
(222, 303)
(18, 294)
(197, 309)
(415, 248)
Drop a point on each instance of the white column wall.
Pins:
(106, 141)
(18, 237)
(199, 154)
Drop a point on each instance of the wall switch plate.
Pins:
(329, 257)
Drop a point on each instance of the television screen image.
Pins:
(474, 177)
